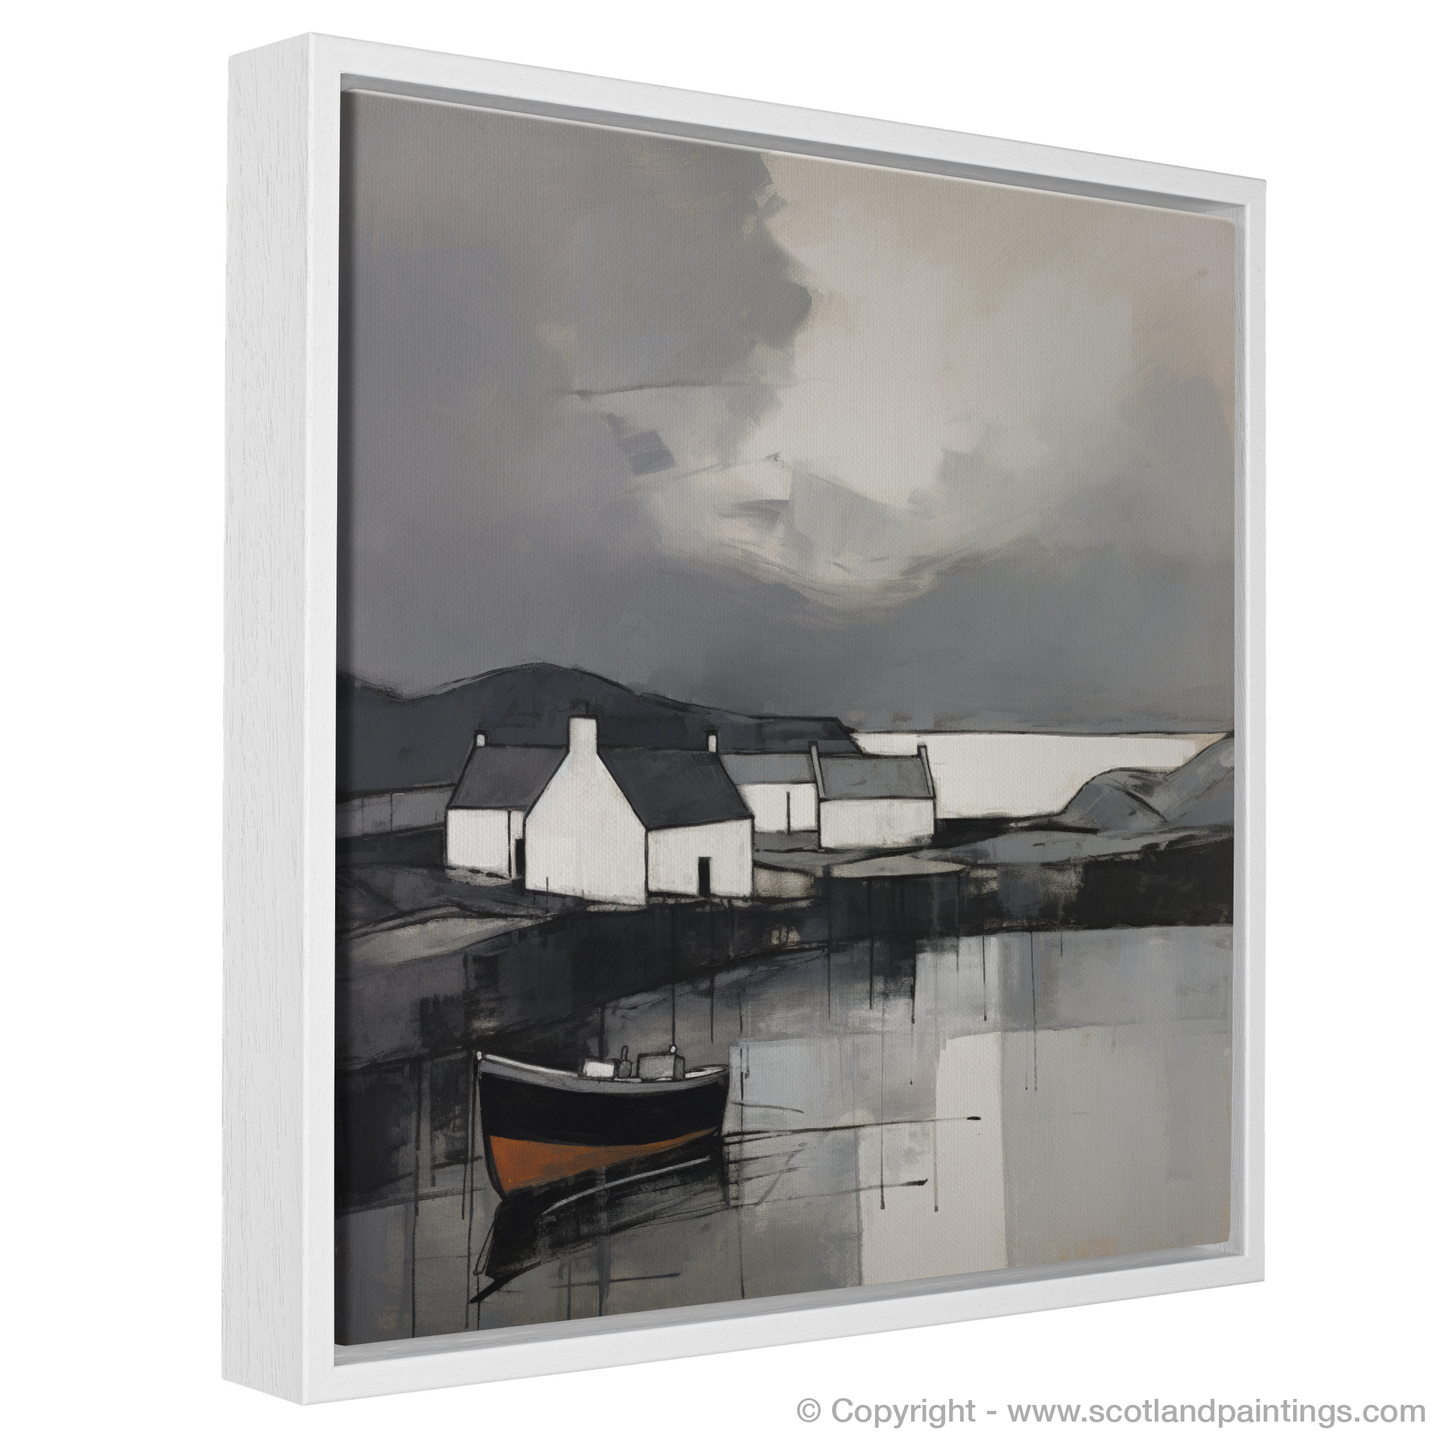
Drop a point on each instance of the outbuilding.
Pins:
(779, 789)
(486, 816)
(874, 802)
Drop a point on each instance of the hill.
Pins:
(1123, 813)
(387, 741)
(1197, 794)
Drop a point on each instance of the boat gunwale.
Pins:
(498, 1067)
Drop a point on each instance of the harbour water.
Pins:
(896, 1111)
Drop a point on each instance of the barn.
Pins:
(874, 802)
(615, 824)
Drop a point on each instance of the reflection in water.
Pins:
(544, 1226)
(976, 1103)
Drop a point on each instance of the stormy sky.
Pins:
(777, 433)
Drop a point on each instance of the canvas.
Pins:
(785, 724)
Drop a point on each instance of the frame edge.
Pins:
(267, 348)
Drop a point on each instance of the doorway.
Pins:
(704, 877)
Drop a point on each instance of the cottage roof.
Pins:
(768, 767)
(673, 787)
(505, 777)
(874, 777)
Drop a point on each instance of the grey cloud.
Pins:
(742, 429)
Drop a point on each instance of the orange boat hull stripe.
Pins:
(521, 1163)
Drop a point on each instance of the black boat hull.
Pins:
(542, 1125)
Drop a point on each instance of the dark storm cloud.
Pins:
(510, 284)
(732, 427)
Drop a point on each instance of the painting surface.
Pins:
(785, 724)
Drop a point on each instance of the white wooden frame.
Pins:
(282, 279)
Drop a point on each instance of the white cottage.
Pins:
(486, 815)
(779, 789)
(873, 802)
(616, 824)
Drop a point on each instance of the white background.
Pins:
(114, 187)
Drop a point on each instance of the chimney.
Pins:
(712, 742)
(927, 769)
(481, 740)
(582, 736)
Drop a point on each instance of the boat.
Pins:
(541, 1125)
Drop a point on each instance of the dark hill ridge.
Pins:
(385, 741)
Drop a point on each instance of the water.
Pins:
(896, 1111)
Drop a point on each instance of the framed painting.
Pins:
(743, 727)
